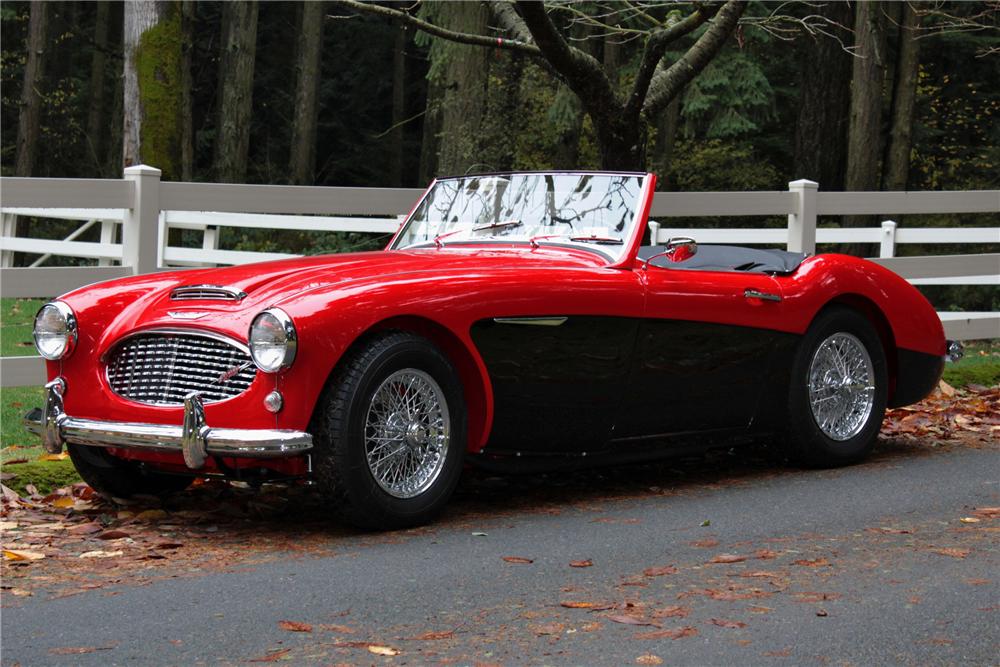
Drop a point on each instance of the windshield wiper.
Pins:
(439, 237)
(498, 225)
(603, 240)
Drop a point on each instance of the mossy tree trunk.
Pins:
(153, 99)
(302, 158)
(29, 116)
(236, 64)
(904, 96)
(97, 114)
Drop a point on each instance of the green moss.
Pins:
(158, 63)
(45, 475)
(980, 365)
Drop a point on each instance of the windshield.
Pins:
(589, 210)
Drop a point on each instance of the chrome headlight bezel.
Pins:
(262, 351)
(67, 336)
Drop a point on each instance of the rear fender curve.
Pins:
(878, 320)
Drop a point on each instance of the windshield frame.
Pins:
(621, 256)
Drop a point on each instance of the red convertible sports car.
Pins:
(514, 320)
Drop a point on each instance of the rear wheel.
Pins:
(838, 391)
(111, 476)
(390, 433)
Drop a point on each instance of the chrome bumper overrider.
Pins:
(194, 438)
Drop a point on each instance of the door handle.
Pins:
(757, 294)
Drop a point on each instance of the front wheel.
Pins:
(390, 433)
(838, 391)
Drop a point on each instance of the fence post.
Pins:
(802, 223)
(107, 236)
(140, 231)
(8, 227)
(654, 231)
(887, 248)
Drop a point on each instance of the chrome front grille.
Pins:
(162, 367)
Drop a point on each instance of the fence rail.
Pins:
(140, 210)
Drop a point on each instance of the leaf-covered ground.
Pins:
(72, 540)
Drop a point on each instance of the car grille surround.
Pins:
(162, 367)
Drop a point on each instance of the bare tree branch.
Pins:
(508, 20)
(581, 71)
(667, 84)
(438, 31)
(656, 46)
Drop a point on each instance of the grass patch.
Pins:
(45, 475)
(16, 319)
(980, 365)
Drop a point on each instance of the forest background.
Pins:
(857, 96)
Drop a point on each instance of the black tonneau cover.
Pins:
(729, 258)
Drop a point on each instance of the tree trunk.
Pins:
(187, 109)
(398, 103)
(897, 163)
(97, 116)
(236, 63)
(302, 160)
(865, 135)
(29, 117)
(666, 137)
(465, 81)
(153, 99)
(430, 143)
(824, 103)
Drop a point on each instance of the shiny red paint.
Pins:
(440, 292)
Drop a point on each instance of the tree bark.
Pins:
(29, 117)
(897, 163)
(302, 160)
(824, 105)
(96, 116)
(152, 86)
(430, 143)
(236, 64)
(187, 110)
(666, 137)
(396, 137)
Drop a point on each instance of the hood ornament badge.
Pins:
(187, 314)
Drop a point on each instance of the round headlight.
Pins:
(272, 340)
(55, 330)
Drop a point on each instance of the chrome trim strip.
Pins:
(207, 292)
(179, 331)
(57, 428)
(533, 321)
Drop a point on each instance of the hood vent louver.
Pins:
(206, 293)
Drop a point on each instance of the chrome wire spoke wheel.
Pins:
(841, 386)
(407, 433)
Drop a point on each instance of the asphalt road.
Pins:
(865, 565)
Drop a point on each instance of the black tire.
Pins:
(340, 455)
(807, 441)
(111, 476)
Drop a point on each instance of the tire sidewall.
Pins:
(418, 354)
(808, 443)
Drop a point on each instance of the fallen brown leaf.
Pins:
(672, 633)
(811, 562)
(722, 623)
(518, 560)
(382, 650)
(432, 636)
(113, 535)
(766, 554)
(581, 563)
(584, 605)
(22, 555)
(954, 552)
(705, 544)
(659, 571)
(295, 626)
(728, 558)
(672, 611)
(649, 659)
(631, 620)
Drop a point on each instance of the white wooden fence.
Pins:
(146, 209)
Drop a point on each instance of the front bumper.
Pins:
(194, 438)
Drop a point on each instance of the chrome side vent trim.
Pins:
(532, 321)
(206, 293)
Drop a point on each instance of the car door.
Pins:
(703, 355)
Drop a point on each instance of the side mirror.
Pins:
(680, 248)
(677, 249)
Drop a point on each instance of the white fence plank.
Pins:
(52, 281)
(22, 372)
(900, 203)
(698, 204)
(65, 193)
(199, 219)
(286, 199)
(62, 248)
(942, 266)
(971, 326)
(948, 235)
(194, 256)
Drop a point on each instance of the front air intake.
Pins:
(206, 293)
